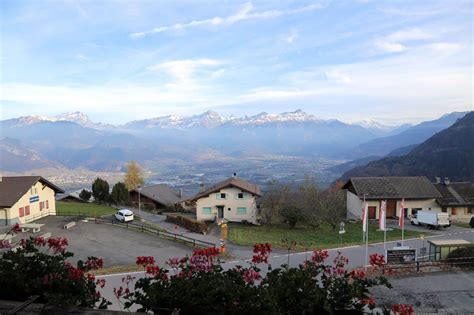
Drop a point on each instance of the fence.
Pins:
(434, 265)
(138, 227)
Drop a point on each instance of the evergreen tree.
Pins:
(119, 195)
(100, 190)
(85, 195)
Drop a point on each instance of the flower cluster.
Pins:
(319, 256)
(94, 263)
(152, 270)
(357, 274)
(208, 252)
(58, 244)
(39, 241)
(340, 261)
(15, 228)
(370, 301)
(261, 253)
(251, 275)
(403, 309)
(5, 244)
(100, 282)
(145, 260)
(76, 273)
(377, 260)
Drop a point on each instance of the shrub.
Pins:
(471, 223)
(463, 255)
(41, 267)
(188, 223)
(198, 284)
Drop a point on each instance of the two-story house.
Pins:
(233, 199)
(417, 192)
(26, 198)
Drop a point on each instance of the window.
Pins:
(41, 205)
(206, 210)
(221, 195)
(27, 210)
(240, 195)
(241, 210)
(22, 212)
(47, 204)
(415, 210)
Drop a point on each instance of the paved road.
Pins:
(356, 255)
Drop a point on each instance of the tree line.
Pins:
(120, 194)
(306, 203)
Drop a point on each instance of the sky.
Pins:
(118, 60)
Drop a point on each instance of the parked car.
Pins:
(124, 215)
(431, 219)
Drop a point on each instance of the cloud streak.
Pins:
(246, 12)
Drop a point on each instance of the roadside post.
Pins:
(342, 230)
(423, 248)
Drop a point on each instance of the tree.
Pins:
(272, 201)
(85, 195)
(100, 190)
(119, 195)
(333, 205)
(291, 210)
(134, 176)
(309, 202)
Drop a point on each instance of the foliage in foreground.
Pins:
(199, 285)
(41, 267)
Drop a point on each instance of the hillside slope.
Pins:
(449, 153)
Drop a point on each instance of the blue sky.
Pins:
(392, 61)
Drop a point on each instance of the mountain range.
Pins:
(205, 141)
(448, 153)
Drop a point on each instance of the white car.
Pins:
(124, 215)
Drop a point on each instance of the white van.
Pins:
(124, 215)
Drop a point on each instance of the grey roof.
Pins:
(415, 187)
(74, 194)
(231, 182)
(456, 194)
(162, 194)
(12, 188)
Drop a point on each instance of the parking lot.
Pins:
(117, 245)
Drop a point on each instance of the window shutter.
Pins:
(27, 210)
(22, 212)
(47, 204)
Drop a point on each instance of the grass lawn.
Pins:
(461, 224)
(89, 209)
(307, 238)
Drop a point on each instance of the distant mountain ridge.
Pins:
(448, 153)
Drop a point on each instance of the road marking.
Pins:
(120, 274)
(231, 262)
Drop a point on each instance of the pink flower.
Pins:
(118, 292)
(377, 260)
(152, 270)
(100, 282)
(15, 228)
(5, 244)
(357, 274)
(208, 252)
(94, 263)
(340, 261)
(58, 245)
(403, 309)
(39, 241)
(261, 253)
(250, 276)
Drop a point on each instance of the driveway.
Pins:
(117, 245)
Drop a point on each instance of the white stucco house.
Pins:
(417, 191)
(233, 200)
(457, 198)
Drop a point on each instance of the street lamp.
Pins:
(139, 208)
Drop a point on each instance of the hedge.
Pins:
(464, 255)
(188, 223)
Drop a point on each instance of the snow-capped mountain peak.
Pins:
(75, 117)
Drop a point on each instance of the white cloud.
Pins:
(183, 70)
(246, 12)
(81, 57)
(291, 38)
(397, 41)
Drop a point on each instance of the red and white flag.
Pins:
(382, 215)
(364, 216)
(402, 213)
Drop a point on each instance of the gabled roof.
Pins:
(12, 188)
(162, 194)
(74, 194)
(415, 187)
(231, 182)
(456, 194)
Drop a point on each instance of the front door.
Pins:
(391, 208)
(220, 212)
(372, 213)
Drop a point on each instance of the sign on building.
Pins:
(400, 255)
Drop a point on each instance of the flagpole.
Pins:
(363, 218)
(385, 226)
(367, 236)
(402, 218)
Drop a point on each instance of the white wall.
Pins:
(231, 202)
(43, 194)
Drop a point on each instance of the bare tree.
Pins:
(332, 203)
(272, 201)
(309, 196)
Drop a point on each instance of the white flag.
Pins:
(382, 215)
(364, 217)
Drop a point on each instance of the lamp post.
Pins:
(139, 208)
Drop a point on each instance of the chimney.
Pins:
(201, 188)
(235, 175)
(447, 181)
(180, 193)
(437, 180)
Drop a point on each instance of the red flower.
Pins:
(250, 276)
(340, 261)
(58, 245)
(152, 270)
(368, 301)
(15, 228)
(75, 273)
(403, 309)
(319, 256)
(261, 253)
(39, 241)
(118, 292)
(357, 274)
(377, 260)
(145, 260)
(94, 263)
(208, 252)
